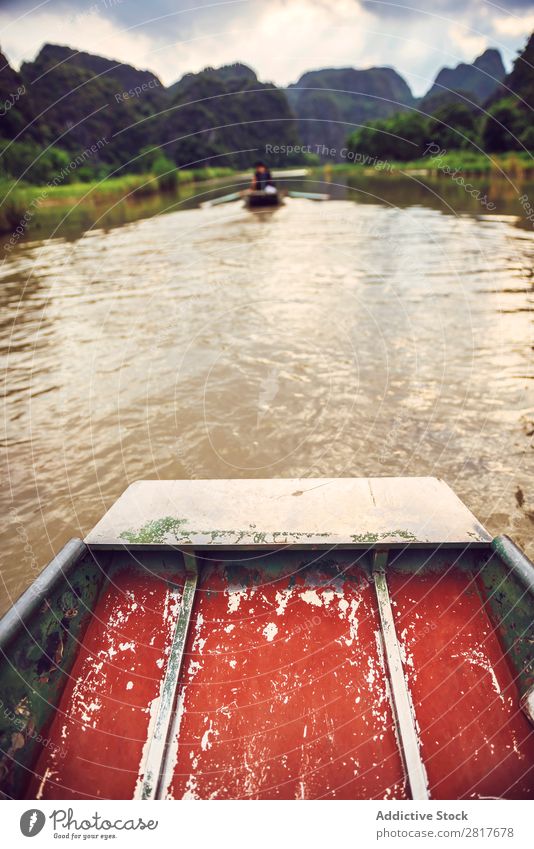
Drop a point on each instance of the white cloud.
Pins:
(468, 43)
(280, 39)
(513, 26)
(90, 31)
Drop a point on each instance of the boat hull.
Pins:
(260, 199)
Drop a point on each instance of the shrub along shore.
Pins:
(514, 165)
(20, 202)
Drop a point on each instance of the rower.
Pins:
(262, 179)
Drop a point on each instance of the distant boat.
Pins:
(274, 639)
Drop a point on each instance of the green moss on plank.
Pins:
(158, 532)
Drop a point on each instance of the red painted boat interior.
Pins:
(102, 721)
(283, 691)
(476, 742)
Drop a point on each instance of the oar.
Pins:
(295, 172)
(309, 195)
(224, 199)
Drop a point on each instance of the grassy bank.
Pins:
(21, 202)
(514, 165)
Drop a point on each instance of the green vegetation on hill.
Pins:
(74, 100)
(79, 100)
(327, 102)
(506, 125)
(520, 81)
(477, 82)
(72, 117)
(228, 116)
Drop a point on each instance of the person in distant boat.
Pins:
(262, 179)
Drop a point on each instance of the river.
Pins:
(385, 332)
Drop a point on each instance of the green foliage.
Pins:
(24, 160)
(153, 160)
(16, 199)
(503, 126)
(331, 101)
(400, 137)
(527, 138)
(226, 119)
(219, 117)
(521, 79)
(454, 126)
(84, 99)
(406, 135)
(165, 171)
(144, 161)
(12, 206)
(70, 101)
(476, 82)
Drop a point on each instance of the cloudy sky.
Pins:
(278, 38)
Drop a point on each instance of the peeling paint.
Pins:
(282, 599)
(312, 597)
(309, 715)
(206, 743)
(234, 599)
(270, 631)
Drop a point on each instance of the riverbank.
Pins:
(38, 212)
(20, 202)
(512, 165)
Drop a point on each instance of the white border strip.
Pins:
(152, 770)
(402, 702)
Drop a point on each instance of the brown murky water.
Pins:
(383, 333)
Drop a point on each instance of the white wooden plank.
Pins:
(402, 702)
(152, 768)
(307, 512)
